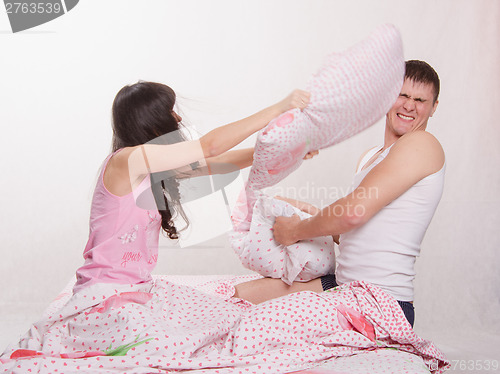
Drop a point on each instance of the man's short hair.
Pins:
(421, 72)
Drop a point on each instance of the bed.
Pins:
(192, 324)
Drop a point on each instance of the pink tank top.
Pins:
(123, 241)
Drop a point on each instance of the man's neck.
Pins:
(389, 139)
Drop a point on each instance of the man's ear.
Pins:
(434, 107)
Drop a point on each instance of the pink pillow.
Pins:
(350, 92)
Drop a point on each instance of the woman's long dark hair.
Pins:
(142, 113)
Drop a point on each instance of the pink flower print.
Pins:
(344, 323)
(130, 236)
(240, 210)
(22, 353)
(281, 121)
(289, 159)
(152, 219)
(284, 119)
(356, 320)
(241, 214)
(28, 353)
(122, 350)
(123, 298)
(82, 354)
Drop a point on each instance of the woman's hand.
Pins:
(310, 155)
(297, 99)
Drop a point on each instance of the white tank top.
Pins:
(383, 250)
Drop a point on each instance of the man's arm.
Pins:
(413, 157)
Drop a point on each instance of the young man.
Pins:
(383, 220)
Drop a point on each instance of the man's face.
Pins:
(412, 109)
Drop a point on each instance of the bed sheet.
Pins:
(191, 323)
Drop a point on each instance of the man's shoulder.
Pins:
(421, 142)
(420, 137)
(420, 147)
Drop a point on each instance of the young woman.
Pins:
(128, 210)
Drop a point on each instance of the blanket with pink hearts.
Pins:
(166, 327)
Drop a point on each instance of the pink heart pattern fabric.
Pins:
(175, 328)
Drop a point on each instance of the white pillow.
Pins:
(258, 251)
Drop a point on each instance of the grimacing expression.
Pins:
(412, 109)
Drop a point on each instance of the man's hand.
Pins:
(285, 229)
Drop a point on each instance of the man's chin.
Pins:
(402, 130)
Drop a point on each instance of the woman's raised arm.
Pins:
(151, 158)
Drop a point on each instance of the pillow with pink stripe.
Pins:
(350, 92)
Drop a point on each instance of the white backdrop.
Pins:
(227, 59)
